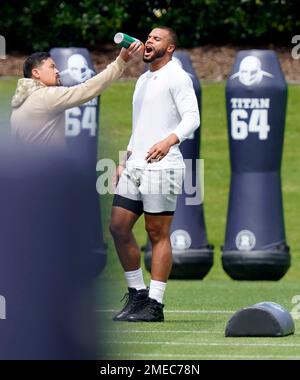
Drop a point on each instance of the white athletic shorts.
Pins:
(149, 191)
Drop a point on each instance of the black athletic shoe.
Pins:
(134, 302)
(151, 312)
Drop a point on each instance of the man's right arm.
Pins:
(122, 163)
(120, 168)
(125, 158)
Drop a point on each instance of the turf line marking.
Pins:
(179, 311)
(164, 331)
(207, 343)
(200, 356)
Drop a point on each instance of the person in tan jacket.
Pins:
(39, 104)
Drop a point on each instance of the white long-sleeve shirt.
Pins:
(164, 102)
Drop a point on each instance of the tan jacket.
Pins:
(38, 111)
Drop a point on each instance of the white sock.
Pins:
(135, 279)
(157, 289)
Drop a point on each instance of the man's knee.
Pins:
(119, 229)
(122, 222)
(113, 228)
(155, 232)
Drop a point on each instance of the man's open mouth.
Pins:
(148, 50)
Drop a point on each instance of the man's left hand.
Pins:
(159, 150)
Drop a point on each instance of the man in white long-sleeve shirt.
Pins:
(165, 112)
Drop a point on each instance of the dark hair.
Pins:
(172, 34)
(33, 61)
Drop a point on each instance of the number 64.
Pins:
(258, 123)
(88, 121)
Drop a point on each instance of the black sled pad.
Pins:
(264, 319)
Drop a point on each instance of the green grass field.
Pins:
(196, 312)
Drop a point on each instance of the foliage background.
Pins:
(30, 25)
